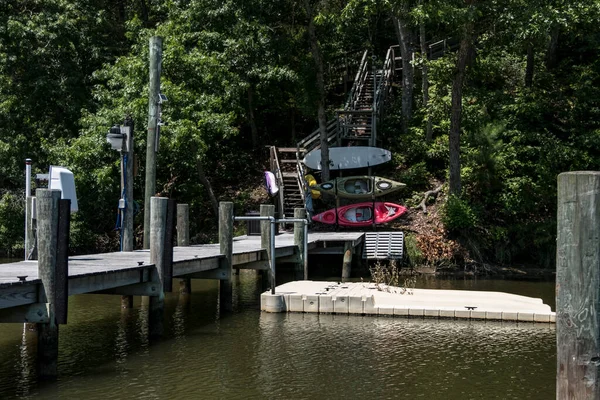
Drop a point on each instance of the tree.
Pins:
(401, 24)
(320, 84)
(465, 54)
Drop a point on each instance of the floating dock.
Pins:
(372, 299)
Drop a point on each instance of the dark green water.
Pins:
(105, 354)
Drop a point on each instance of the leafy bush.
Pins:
(458, 215)
(12, 217)
(413, 253)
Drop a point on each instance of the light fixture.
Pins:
(116, 139)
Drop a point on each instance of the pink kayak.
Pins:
(361, 214)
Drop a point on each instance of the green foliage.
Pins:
(459, 215)
(239, 75)
(12, 217)
(413, 253)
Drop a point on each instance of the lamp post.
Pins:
(121, 139)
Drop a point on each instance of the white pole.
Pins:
(27, 194)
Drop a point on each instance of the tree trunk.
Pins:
(464, 53)
(145, 16)
(316, 53)
(406, 53)
(530, 64)
(251, 118)
(211, 194)
(425, 79)
(293, 121)
(552, 46)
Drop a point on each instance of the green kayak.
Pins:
(359, 187)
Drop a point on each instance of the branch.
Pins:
(433, 192)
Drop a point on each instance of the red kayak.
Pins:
(361, 214)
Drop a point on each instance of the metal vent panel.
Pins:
(383, 245)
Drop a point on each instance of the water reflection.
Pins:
(105, 352)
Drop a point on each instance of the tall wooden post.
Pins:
(47, 208)
(267, 210)
(578, 286)
(347, 263)
(150, 190)
(183, 239)
(61, 297)
(300, 213)
(128, 235)
(158, 224)
(127, 187)
(226, 248)
(31, 250)
(183, 224)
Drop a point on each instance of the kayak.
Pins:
(359, 187)
(361, 214)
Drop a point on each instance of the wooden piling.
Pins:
(226, 249)
(47, 210)
(347, 263)
(183, 239)
(31, 250)
(155, 62)
(183, 224)
(300, 213)
(168, 254)
(578, 286)
(158, 223)
(62, 261)
(267, 210)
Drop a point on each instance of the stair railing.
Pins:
(300, 173)
(384, 85)
(275, 168)
(313, 141)
(359, 83)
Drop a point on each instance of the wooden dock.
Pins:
(372, 299)
(36, 292)
(130, 273)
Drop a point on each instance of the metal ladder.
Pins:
(383, 245)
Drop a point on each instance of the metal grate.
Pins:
(384, 245)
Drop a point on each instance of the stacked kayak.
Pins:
(361, 214)
(359, 187)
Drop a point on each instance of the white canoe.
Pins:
(348, 157)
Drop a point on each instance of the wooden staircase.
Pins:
(293, 193)
(354, 125)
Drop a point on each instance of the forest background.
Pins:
(515, 104)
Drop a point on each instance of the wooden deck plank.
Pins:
(94, 272)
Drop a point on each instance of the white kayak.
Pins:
(348, 157)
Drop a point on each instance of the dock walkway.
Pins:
(107, 272)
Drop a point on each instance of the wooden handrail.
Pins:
(275, 168)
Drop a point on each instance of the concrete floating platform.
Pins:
(371, 299)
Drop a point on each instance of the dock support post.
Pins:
(31, 244)
(578, 286)
(183, 239)
(168, 254)
(156, 48)
(47, 209)
(301, 270)
(347, 263)
(226, 249)
(127, 187)
(267, 210)
(158, 223)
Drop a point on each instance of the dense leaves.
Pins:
(241, 75)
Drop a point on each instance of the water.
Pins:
(104, 352)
